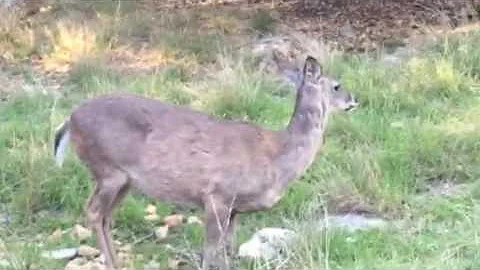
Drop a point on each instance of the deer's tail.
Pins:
(62, 138)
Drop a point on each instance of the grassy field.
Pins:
(418, 125)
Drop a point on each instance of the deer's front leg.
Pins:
(219, 231)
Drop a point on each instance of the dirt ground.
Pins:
(356, 25)
(352, 25)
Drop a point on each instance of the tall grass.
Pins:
(417, 123)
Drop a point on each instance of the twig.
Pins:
(143, 238)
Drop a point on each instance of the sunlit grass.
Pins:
(416, 122)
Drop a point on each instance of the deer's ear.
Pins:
(312, 71)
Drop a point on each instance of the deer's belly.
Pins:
(180, 189)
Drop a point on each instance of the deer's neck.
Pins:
(302, 140)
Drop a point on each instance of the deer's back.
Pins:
(174, 153)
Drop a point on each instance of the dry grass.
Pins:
(70, 43)
(16, 39)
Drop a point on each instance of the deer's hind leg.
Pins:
(110, 188)
(220, 226)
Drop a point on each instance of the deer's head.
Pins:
(320, 90)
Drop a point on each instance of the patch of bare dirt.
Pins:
(352, 25)
(368, 24)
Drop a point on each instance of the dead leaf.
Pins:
(56, 236)
(81, 233)
(173, 220)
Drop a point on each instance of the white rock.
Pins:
(267, 244)
(88, 251)
(352, 222)
(161, 232)
(60, 254)
(194, 220)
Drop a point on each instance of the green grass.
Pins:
(417, 122)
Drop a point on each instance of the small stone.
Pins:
(194, 220)
(175, 263)
(151, 209)
(81, 233)
(39, 237)
(76, 264)
(173, 220)
(267, 244)
(88, 251)
(153, 217)
(95, 266)
(56, 236)
(60, 254)
(100, 259)
(161, 232)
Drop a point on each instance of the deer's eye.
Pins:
(336, 87)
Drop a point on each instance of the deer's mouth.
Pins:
(351, 107)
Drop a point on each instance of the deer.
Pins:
(179, 155)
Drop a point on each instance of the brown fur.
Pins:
(181, 156)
